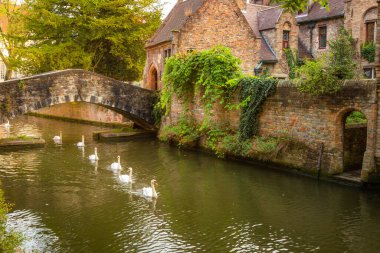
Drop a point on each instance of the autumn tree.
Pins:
(104, 36)
(12, 36)
(299, 5)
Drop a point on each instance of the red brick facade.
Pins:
(257, 32)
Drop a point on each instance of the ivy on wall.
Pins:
(216, 76)
(253, 93)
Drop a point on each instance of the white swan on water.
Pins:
(126, 178)
(117, 165)
(81, 144)
(58, 139)
(94, 157)
(7, 125)
(150, 192)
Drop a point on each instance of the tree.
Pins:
(299, 5)
(12, 36)
(105, 36)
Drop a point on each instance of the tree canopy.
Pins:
(12, 35)
(105, 36)
(299, 5)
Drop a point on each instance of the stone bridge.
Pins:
(23, 95)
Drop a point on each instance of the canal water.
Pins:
(64, 203)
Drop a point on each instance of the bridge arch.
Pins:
(32, 93)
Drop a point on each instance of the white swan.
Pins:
(150, 192)
(94, 157)
(7, 125)
(58, 139)
(126, 178)
(116, 166)
(81, 144)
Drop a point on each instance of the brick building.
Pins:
(257, 32)
(317, 26)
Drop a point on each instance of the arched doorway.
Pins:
(153, 78)
(354, 141)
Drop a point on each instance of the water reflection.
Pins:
(205, 205)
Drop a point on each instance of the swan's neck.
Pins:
(60, 135)
(82, 139)
(154, 193)
(118, 161)
(8, 122)
(96, 153)
(130, 174)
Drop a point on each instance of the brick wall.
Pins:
(307, 119)
(155, 59)
(221, 22)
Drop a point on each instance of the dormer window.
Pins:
(285, 39)
(167, 53)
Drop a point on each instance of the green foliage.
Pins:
(105, 36)
(342, 63)
(293, 61)
(322, 76)
(368, 51)
(184, 132)
(208, 71)
(9, 240)
(315, 78)
(231, 144)
(299, 5)
(214, 134)
(266, 145)
(253, 93)
(356, 118)
(13, 38)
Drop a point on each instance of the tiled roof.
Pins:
(317, 13)
(251, 14)
(266, 54)
(268, 18)
(175, 20)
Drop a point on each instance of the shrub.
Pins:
(321, 76)
(184, 132)
(9, 240)
(356, 118)
(315, 78)
(368, 51)
(293, 61)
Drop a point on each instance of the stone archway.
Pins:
(24, 95)
(351, 139)
(153, 78)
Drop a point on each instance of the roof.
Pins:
(175, 20)
(251, 15)
(268, 18)
(316, 12)
(266, 53)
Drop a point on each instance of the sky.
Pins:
(168, 5)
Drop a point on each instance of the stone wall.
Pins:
(32, 93)
(332, 25)
(308, 120)
(220, 22)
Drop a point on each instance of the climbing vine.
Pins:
(253, 93)
(206, 72)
